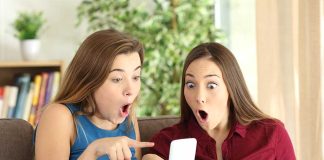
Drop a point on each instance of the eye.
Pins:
(136, 78)
(211, 85)
(190, 85)
(116, 80)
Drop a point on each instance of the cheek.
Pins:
(137, 88)
(189, 97)
(105, 96)
(219, 101)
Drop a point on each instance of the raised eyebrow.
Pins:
(121, 70)
(190, 75)
(117, 69)
(212, 75)
(138, 67)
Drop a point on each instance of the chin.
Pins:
(116, 121)
(207, 125)
(119, 120)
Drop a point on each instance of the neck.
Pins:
(222, 128)
(102, 123)
(220, 132)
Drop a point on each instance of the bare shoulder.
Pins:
(55, 132)
(56, 114)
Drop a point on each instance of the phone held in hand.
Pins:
(183, 149)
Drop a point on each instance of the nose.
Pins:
(128, 90)
(201, 96)
(201, 100)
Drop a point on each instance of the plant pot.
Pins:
(30, 48)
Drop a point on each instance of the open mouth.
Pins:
(203, 115)
(124, 110)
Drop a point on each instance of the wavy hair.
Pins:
(242, 108)
(90, 68)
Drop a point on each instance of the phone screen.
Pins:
(183, 149)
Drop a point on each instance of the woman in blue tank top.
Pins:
(93, 116)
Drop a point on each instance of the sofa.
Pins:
(16, 135)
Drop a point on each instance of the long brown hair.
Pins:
(242, 108)
(90, 68)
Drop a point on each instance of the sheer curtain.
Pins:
(289, 69)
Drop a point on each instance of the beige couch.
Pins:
(16, 135)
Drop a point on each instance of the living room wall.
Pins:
(60, 37)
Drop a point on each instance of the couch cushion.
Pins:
(149, 126)
(16, 140)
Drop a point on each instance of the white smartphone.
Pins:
(183, 149)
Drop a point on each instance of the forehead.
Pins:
(203, 66)
(126, 60)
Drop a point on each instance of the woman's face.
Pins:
(206, 93)
(117, 94)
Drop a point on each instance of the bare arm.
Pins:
(55, 133)
(151, 157)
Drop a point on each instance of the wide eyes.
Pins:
(190, 85)
(136, 78)
(116, 80)
(210, 85)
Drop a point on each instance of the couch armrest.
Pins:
(16, 139)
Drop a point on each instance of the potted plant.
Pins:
(27, 27)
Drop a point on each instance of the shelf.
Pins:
(18, 64)
(10, 69)
(16, 79)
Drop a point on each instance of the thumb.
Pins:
(137, 144)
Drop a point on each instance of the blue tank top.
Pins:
(87, 132)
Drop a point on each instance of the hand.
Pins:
(151, 157)
(117, 148)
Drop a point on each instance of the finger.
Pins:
(119, 152)
(137, 144)
(112, 154)
(127, 152)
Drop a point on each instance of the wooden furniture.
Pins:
(9, 69)
(27, 86)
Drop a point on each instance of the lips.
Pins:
(203, 116)
(124, 110)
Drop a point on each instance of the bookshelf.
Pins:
(27, 86)
(9, 69)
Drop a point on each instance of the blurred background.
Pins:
(278, 44)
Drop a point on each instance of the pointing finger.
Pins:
(137, 144)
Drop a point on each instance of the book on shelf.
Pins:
(9, 101)
(28, 103)
(41, 100)
(5, 104)
(28, 96)
(56, 84)
(1, 98)
(12, 101)
(49, 87)
(23, 82)
(35, 99)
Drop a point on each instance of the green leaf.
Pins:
(165, 47)
(27, 25)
